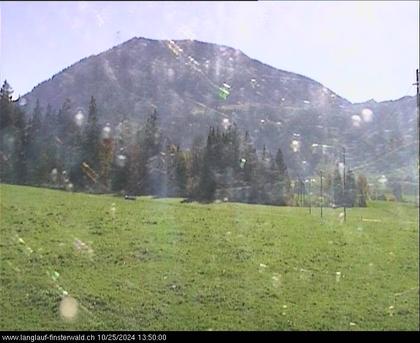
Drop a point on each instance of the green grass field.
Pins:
(158, 264)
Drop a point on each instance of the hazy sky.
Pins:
(361, 50)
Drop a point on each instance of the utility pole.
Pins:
(322, 196)
(300, 197)
(298, 192)
(344, 183)
(418, 106)
(303, 192)
(418, 126)
(310, 199)
(418, 96)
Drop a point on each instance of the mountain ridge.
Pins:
(184, 79)
(140, 38)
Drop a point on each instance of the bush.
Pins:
(381, 197)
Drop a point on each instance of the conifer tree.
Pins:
(350, 190)
(6, 106)
(337, 188)
(283, 177)
(20, 146)
(49, 148)
(121, 165)
(207, 184)
(91, 139)
(250, 156)
(362, 190)
(35, 143)
(181, 173)
(7, 133)
(152, 135)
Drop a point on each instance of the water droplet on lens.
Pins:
(367, 115)
(337, 276)
(79, 118)
(341, 169)
(225, 123)
(383, 179)
(356, 120)
(54, 174)
(121, 160)
(106, 132)
(68, 308)
(295, 145)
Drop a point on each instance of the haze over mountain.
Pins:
(194, 85)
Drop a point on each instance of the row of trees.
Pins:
(343, 189)
(73, 151)
(67, 150)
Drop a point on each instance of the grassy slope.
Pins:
(160, 264)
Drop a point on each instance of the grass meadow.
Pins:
(159, 264)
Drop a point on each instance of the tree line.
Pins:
(72, 151)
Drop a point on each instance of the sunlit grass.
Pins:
(158, 264)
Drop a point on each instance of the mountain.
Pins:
(195, 84)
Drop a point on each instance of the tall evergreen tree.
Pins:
(70, 148)
(7, 133)
(181, 173)
(194, 166)
(362, 190)
(121, 165)
(350, 190)
(91, 139)
(152, 135)
(137, 181)
(105, 160)
(337, 188)
(151, 139)
(6, 106)
(250, 156)
(49, 147)
(35, 143)
(283, 176)
(207, 184)
(64, 120)
(63, 135)
(21, 146)
(281, 165)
